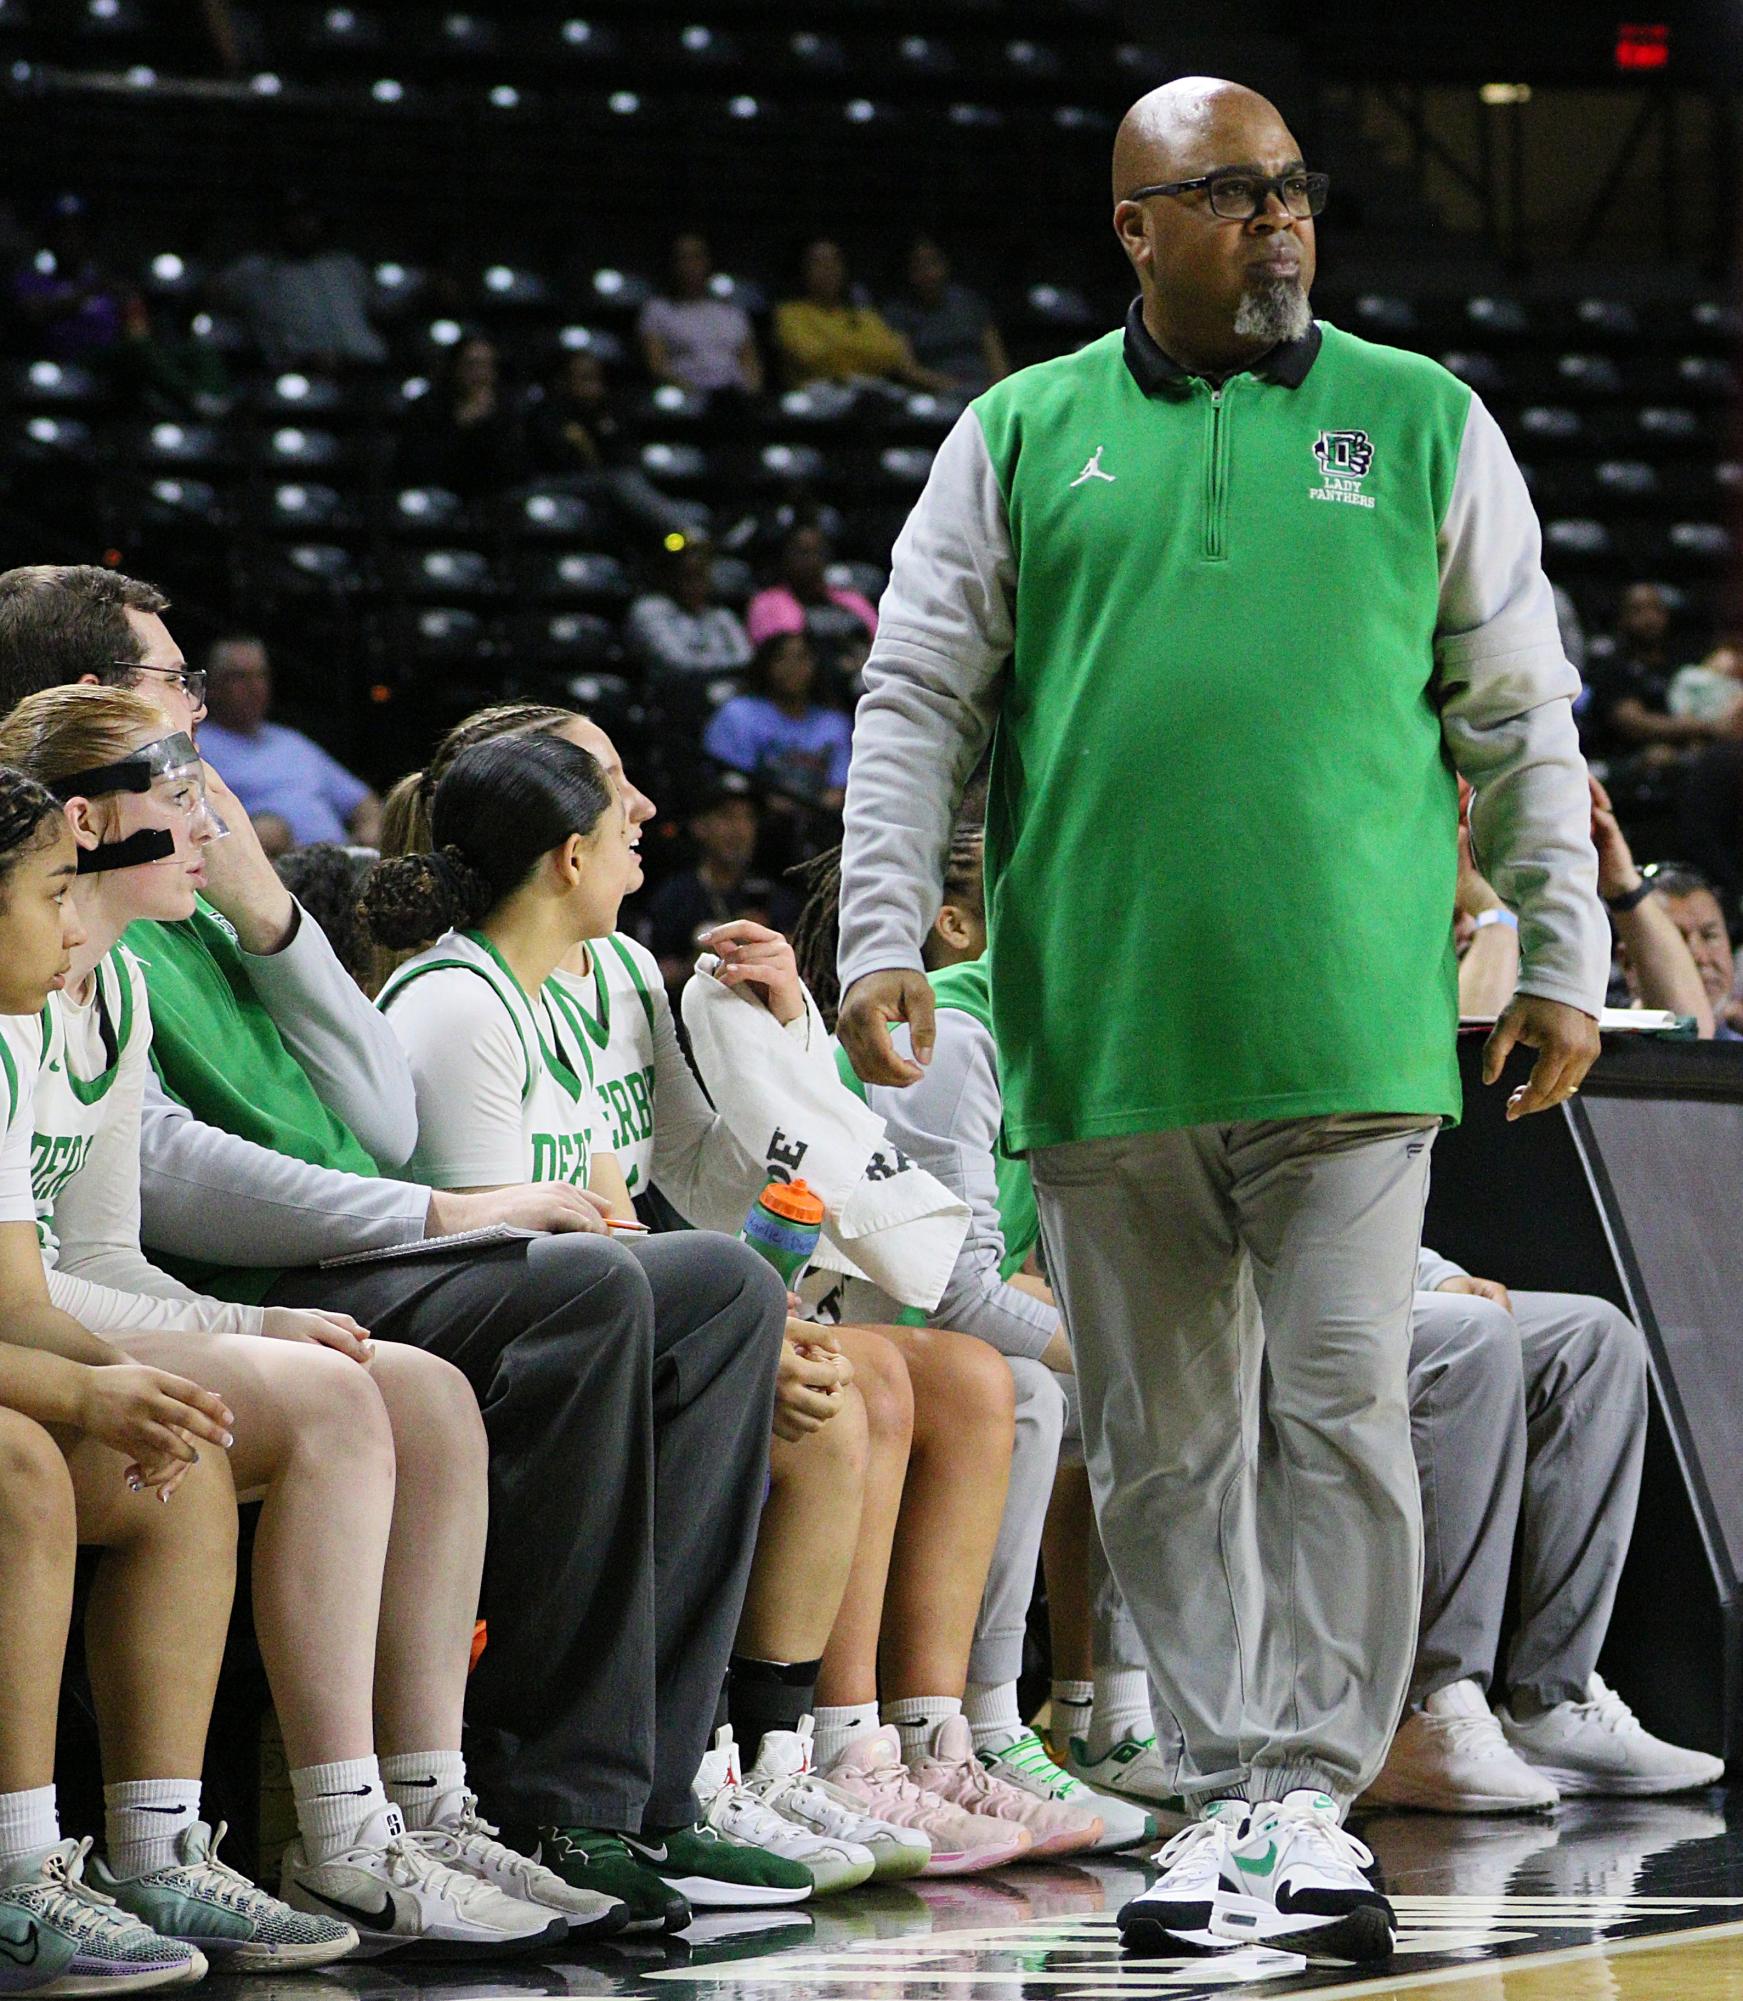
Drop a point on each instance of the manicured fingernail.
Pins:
(135, 1486)
(163, 1495)
(229, 1438)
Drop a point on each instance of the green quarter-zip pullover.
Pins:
(1230, 641)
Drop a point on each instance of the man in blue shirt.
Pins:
(273, 769)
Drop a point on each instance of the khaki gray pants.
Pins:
(1533, 1420)
(1238, 1299)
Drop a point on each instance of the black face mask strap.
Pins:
(150, 844)
(131, 774)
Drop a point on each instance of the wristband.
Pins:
(1484, 918)
(1631, 899)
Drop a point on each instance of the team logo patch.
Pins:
(1345, 460)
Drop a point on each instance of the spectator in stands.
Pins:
(467, 434)
(271, 768)
(779, 734)
(582, 439)
(1689, 901)
(824, 336)
(719, 886)
(802, 599)
(307, 301)
(949, 328)
(1711, 690)
(683, 628)
(75, 308)
(1657, 950)
(690, 338)
(1631, 689)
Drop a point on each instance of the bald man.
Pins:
(1234, 594)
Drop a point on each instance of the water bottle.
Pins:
(784, 1227)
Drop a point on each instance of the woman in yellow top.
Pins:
(824, 337)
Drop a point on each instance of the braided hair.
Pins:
(29, 816)
(817, 934)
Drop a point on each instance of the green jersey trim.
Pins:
(89, 1091)
(403, 979)
(555, 1061)
(12, 1094)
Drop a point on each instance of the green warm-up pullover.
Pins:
(1231, 641)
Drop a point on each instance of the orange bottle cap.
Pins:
(793, 1200)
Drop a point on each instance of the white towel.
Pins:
(885, 1219)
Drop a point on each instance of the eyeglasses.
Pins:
(1237, 195)
(191, 680)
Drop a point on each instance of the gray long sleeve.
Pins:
(948, 1123)
(1433, 1271)
(200, 1186)
(1507, 692)
(347, 1046)
(945, 627)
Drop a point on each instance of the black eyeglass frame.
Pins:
(193, 679)
(1318, 188)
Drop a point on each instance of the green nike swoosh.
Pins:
(1262, 1867)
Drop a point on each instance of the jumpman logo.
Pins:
(1093, 470)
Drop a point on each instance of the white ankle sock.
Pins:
(142, 1821)
(837, 1727)
(993, 1715)
(333, 1801)
(916, 1717)
(29, 1821)
(1122, 1708)
(1072, 1703)
(418, 1781)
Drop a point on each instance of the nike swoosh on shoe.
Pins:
(384, 1920)
(18, 1958)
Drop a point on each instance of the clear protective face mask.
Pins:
(169, 766)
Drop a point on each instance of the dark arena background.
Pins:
(341, 324)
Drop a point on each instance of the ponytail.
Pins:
(408, 900)
(503, 805)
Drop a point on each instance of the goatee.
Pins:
(1273, 309)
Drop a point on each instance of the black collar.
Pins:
(1156, 373)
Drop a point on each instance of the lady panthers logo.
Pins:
(1345, 458)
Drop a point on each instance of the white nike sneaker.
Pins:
(1174, 1915)
(59, 1936)
(738, 1812)
(1293, 1880)
(1024, 1763)
(462, 1839)
(1133, 1769)
(783, 1778)
(1600, 1747)
(1453, 1757)
(399, 1898)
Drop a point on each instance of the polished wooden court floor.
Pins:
(1603, 1901)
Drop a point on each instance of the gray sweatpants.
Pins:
(1049, 1435)
(1238, 1299)
(1535, 1417)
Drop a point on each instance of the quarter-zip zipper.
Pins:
(1216, 478)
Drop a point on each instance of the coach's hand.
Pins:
(1566, 1040)
(863, 1023)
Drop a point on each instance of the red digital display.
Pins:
(1642, 45)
